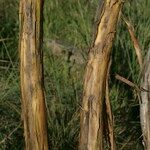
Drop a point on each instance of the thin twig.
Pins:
(126, 81)
(118, 77)
(10, 134)
(6, 39)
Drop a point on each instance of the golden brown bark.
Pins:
(31, 72)
(91, 134)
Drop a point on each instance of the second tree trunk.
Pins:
(91, 134)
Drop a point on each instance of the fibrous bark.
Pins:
(91, 134)
(31, 72)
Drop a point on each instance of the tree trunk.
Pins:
(145, 103)
(91, 132)
(31, 72)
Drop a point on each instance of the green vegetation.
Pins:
(71, 23)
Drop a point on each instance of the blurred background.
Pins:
(68, 31)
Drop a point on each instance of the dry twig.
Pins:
(135, 42)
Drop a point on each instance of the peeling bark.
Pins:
(91, 132)
(108, 120)
(31, 72)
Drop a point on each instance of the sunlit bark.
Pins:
(31, 72)
(91, 134)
